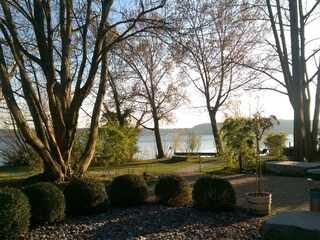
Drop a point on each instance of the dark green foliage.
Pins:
(288, 151)
(213, 194)
(276, 142)
(85, 196)
(14, 213)
(128, 190)
(47, 202)
(173, 190)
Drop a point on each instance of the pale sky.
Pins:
(267, 102)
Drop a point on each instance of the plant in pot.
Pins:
(259, 201)
(314, 189)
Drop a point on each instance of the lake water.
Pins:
(147, 146)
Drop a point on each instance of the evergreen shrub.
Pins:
(85, 196)
(47, 203)
(173, 190)
(128, 190)
(14, 213)
(213, 194)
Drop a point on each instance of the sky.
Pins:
(267, 102)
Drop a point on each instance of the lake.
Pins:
(147, 145)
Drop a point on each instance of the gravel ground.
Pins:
(153, 221)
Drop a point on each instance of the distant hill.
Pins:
(205, 128)
(285, 126)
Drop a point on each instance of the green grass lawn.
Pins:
(150, 166)
(15, 176)
(5, 169)
(15, 172)
(156, 166)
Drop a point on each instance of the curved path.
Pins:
(196, 167)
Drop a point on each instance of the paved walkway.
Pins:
(288, 193)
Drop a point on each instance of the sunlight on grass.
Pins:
(12, 175)
(149, 166)
(14, 172)
(214, 167)
(14, 169)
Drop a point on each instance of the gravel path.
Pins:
(153, 221)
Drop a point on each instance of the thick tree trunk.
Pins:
(50, 173)
(298, 88)
(299, 136)
(297, 83)
(64, 64)
(313, 151)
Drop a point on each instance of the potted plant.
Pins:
(259, 201)
(314, 189)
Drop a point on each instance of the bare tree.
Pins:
(118, 102)
(216, 41)
(157, 92)
(299, 59)
(67, 42)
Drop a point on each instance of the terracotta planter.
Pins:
(259, 205)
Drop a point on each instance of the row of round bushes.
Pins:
(40, 203)
(44, 203)
(209, 193)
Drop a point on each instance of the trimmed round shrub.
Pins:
(213, 194)
(14, 213)
(85, 196)
(128, 190)
(173, 190)
(47, 202)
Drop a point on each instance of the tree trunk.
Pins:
(215, 131)
(240, 162)
(52, 174)
(312, 146)
(157, 135)
(298, 88)
(259, 185)
(297, 84)
(299, 136)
